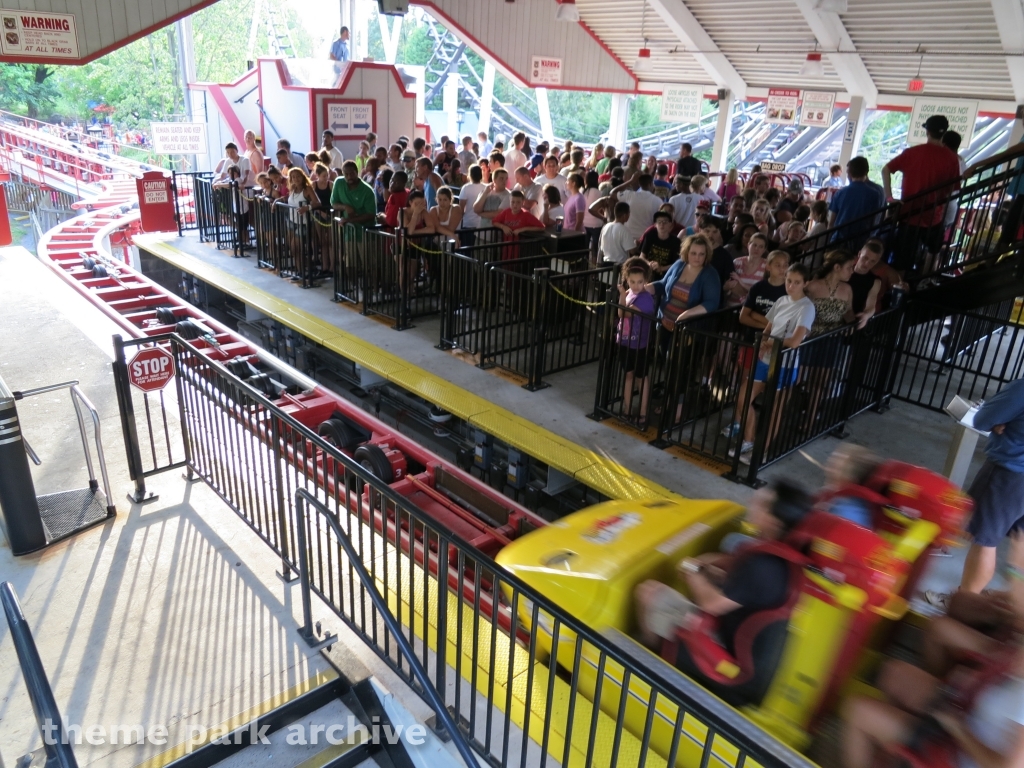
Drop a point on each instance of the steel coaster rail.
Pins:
(304, 498)
(56, 744)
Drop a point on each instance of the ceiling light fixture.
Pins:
(643, 60)
(812, 66)
(567, 11)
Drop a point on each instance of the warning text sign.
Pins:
(179, 138)
(681, 103)
(34, 34)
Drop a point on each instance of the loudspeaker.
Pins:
(393, 7)
(723, 93)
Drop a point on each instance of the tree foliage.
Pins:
(28, 89)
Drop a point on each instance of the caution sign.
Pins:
(151, 369)
(34, 34)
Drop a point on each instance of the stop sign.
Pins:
(151, 369)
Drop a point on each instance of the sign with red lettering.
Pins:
(151, 369)
(545, 70)
(30, 33)
(156, 202)
(781, 107)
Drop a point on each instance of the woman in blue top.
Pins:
(688, 288)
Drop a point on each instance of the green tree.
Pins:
(28, 89)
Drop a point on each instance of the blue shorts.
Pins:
(787, 378)
(998, 497)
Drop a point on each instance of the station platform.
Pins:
(557, 413)
(171, 614)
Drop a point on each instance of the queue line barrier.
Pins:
(509, 698)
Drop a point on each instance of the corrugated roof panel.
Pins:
(739, 26)
(621, 25)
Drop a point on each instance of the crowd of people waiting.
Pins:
(696, 248)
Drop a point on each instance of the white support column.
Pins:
(390, 37)
(853, 135)
(486, 97)
(618, 128)
(723, 133)
(544, 109)
(450, 105)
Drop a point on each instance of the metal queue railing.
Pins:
(700, 390)
(550, 315)
(223, 214)
(946, 352)
(402, 274)
(291, 241)
(482, 636)
(186, 202)
(983, 221)
(469, 300)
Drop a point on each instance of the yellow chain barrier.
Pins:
(424, 250)
(577, 301)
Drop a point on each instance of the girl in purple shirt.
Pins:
(575, 205)
(637, 315)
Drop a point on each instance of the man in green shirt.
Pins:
(353, 197)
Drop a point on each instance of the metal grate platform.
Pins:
(69, 512)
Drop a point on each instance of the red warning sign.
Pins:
(151, 369)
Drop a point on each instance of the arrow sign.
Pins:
(364, 126)
(339, 126)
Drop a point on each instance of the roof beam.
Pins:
(1010, 21)
(831, 35)
(700, 45)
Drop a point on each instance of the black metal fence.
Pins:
(469, 301)
(223, 214)
(550, 316)
(482, 635)
(186, 202)
(696, 384)
(290, 241)
(940, 230)
(946, 353)
(401, 274)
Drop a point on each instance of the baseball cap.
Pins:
(408, 155)
(795, 185)
(936, 124)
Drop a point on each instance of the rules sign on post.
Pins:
(151, 369)
(545, 71)
(816, 111)
(960, 113)
(350, 119)
(179, 138)
(781, 109)
(30, 33)
(681, 103)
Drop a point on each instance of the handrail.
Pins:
(51, 726)
(303, 497)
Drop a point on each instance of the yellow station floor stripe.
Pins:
(598, 472)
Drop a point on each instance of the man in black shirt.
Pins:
(688, 165)
(732, 587)
(659, 246)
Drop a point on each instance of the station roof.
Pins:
(961, 49)
(871, 48)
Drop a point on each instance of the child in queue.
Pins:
(634, 334)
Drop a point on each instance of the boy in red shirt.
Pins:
(514, 220)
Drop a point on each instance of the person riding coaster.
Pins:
(788, 657)
(965, 707)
